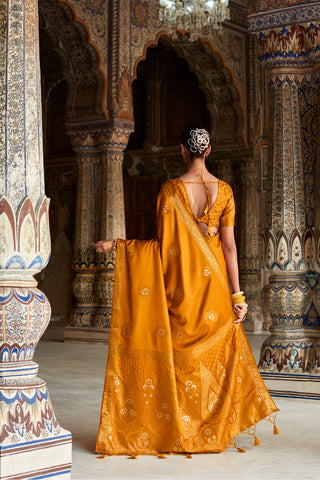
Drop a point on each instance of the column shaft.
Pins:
(287, 296)
(249, 255)
(112, 145)
(86, 226)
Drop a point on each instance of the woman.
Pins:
(181, 377)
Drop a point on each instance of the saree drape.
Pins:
(180, 377)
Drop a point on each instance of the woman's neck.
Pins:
(197, 166)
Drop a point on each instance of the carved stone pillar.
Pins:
(287, 296)
(249, 255)
(89, 173)
(99, 215)
(32, 443)
(112, 143)
(293, 347)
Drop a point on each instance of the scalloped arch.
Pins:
(80, 59)
(217, 83)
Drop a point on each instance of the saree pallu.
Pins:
(180, 377)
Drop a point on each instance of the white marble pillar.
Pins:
(32, 443)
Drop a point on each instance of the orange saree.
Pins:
(181, 377)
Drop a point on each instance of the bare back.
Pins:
(202, 191)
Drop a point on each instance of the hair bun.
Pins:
(199, 140)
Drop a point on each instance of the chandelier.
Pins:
(198, 17)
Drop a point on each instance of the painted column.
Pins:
(32, 443)
(249, 251)
(87, 213)
(112, 143)
(289, 55)
(287, 296)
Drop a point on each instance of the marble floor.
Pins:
(75, 374)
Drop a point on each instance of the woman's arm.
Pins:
(105, 245)
(230, 254)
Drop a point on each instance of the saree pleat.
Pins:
(180, 377)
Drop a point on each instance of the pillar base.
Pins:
(291, 351)
(292, 386)
(86, 335)
(32, 443)
(254, 326)
(37, 459)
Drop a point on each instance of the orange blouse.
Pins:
(222, 212)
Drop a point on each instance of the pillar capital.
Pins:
(100, 136)
(288, 43)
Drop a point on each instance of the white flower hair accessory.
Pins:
(199, 140)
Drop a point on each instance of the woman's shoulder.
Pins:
(170, 185)
(225, 187)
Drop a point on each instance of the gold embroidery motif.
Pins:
(128, 413)
(185, 420)
(143, 440)
(109, 432)
(148, 390)
(165, 209)
(173, 250)
(143, 292)
(209, 435)
(178, 445)
(191, 390)
(180, 335)
(161, 332)
(164, 415)
(212, 315)
(206, 272)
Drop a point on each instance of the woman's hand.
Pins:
(104, 246)
(240, 311)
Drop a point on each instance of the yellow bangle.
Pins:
(238, 298)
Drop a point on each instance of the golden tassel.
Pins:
(161, 457)
(241, 450)
(188, 455)
(275, 429)
(256, 441)
(102, 456)
(132, 457)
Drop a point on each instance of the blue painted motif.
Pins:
(287, 16)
